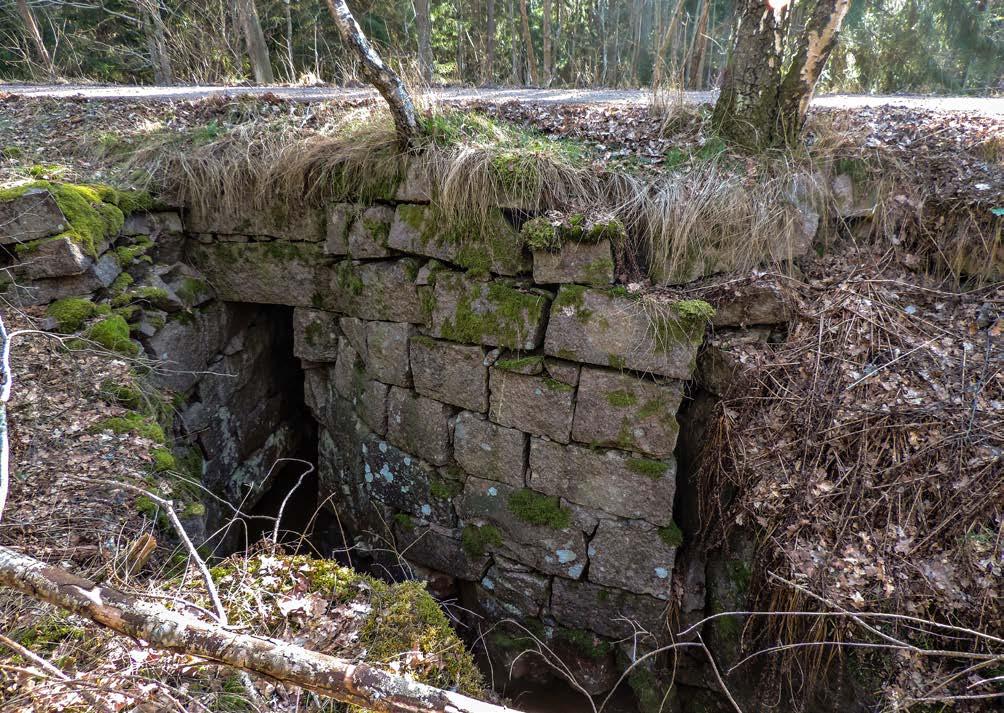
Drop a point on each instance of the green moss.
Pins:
(557, 386)
(125, 395)
(113, 333)
(672, 535)
(617, 361)
(680, 323)
(646, 689)
(520, 365)
(191, 289)
(132, 422)
(348, 279)
(476, 541)
(541, 235)
(586, 642)
(509, 318)
(574, 297)
(121, 283)
(599, 271)
(403, 519)
(539, 509)
(653, 469)
(163, 460)
(444, 489)
(70, 313)
(46, 633)
(739, 573)
(621, 398)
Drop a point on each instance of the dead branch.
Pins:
(358, 684)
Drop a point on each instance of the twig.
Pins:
(49, 668)
(5, 387)
(282, 508)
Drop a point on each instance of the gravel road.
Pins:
(988, 106)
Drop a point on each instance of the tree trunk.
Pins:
(385, 79)
(288, 12)
(659, 61)
(757, 106)
(35, 34)
(695, 60)
(255, 38)
(355, 684)
(546, 29)
(426, 63)
(813, 49)
(156, 42)
(531, 56)
(489, 71)
(514, 43)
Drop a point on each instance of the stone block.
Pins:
(494, 313)
(623, 411)
(32, 215)
(438, 548)
(153, 224)
(419, 425)
(451, 373)
(386, 354)
(751, 305)
(369, 231)
(598, 327)
(534, 404)
(336, 237)
(339, 470)
(512, 590)
(185, 346)
(406, 483)
(606, 611)
(577, 262)
(50, 257)
(315, 334)
(368, 397)
(489, 450)
(612, 481)
(423, 230)
(567, 372)
(416, 186)
(355, 331)
(634, 555)
(319, 392)
(383, 291)
(286, 223)
(555, 548)
(277, 272)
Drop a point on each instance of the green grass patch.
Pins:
(539, 509)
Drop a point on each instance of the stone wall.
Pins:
(499, 420)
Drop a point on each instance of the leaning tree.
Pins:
(770, 76)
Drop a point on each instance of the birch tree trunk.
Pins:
(356, 684)
(426, 64)
(758, 106)
(695, 58)
(35, 34)
(385, 79)
(156, 42)
(261, 64)
(531, 56)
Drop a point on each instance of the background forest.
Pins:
(950, 46)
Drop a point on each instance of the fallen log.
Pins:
(161, 628)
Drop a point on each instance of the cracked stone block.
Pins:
(623, 411)
(368, 396)
(634, 555)
(489, 450)
(50, 257)
(422, 230)
(547, 548)
(315, 334)
(416, 186)
(185, 346)
(576, 262)
(751, 305)
(495, 313)
(451, 373)
(597, 327)
(615, 482)
(419, 425)
(387, 353)
(534, 404)
(355, 331)
(336, 236)
(567, 372)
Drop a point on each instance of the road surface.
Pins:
(988, 106)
